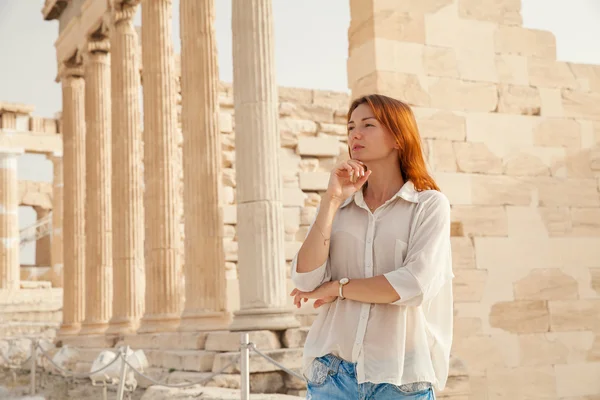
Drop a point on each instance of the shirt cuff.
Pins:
(308, 281)
(407, 287)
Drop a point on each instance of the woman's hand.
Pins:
(346, 179)
(326, 293)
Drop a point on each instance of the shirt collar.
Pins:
(406, 192)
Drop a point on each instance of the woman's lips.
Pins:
(357, 147)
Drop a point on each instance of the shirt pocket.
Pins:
(400, 249)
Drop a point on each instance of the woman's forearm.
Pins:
(377, 290)
(315, 249)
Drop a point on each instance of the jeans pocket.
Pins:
(317, 373)
(410, 393)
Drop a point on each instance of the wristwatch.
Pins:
(343, 282)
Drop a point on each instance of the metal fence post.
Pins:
(33, 364)
(245, 366)
(121, 389)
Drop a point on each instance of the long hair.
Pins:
(398, 118)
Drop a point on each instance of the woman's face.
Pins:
(367, 138)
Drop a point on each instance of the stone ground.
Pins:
(53, 387)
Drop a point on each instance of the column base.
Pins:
(159, 323)
(123, 326)
(264, 319)
(70, 329)
(194, 320)
(93, 328)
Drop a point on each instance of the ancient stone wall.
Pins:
(513, 139)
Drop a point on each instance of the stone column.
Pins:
(56, 251)
(73, 116)
(8, 120)
(9, 219)
(261, 258)
(98, 218)
(161, 172)
(205, 306)
(42, 245)
(128, 183)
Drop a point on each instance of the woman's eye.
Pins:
(350, 128)
(369, 125)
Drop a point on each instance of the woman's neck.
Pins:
(385, 181)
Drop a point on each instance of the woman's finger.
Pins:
(363, 179)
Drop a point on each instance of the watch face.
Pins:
(343, 281)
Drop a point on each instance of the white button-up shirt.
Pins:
(407, 240)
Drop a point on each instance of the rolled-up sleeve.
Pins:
(309, 281)
(428, 262)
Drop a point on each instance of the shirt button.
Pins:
(369, 240)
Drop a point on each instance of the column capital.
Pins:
(124, 11)
(98, 46)
(70, 71)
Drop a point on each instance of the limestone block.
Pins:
(500, 190)
(453, 94)
(481, 221)
(579, 163)
(579, 379)
(307, 215)
(230, 381)
(408, 87)
(290, 358)
(551, 74)
(288, 139)
(267, 382)
(291, 249)
(230, 214)
(314, 112)
(523, 382)
(293, 383)
(465, 327)
(577, 104)
(291, 219)
(457, 187)
(294, 338)
(504, 12)
(187, 360)
(337, 129)
(555, 348)
(225, 122)
(228, 194)
(475, 51)
(286, 109)
(469, 284)
(556, 220)
(293, 197)
(290, 179)
(230, 341)
(521, 316)
(309, 165)
(229, 231)
(525, 42)
(588, 76)
(559, 192)
(314, 180)
(523, 164)
(574, 315)
(526, 222)
(331, 99)
(546, 284)
(523, 100)
(229, 177)
(463, 253)
(440, 61)
(500, 351)
(289, 160)
(585, 221)
(320, 147)
(441, 155)
(476, 158)
(295, 95)
(312, 200)
(552, 105)
(298, 127)
(434, 124)
(512, 69)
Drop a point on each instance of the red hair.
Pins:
(398, 118)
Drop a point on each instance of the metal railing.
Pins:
(123, 354)
(42, 227)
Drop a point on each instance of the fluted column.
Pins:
(56, 250)
(261, 258)
(127, 184)
(9, 219)
(98, 243)
(42, 245)
(73, 116)
(161, 172)
(205, 306)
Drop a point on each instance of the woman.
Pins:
(377, 262)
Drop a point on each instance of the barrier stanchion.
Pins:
(245, 366)
(34, 346)
(121, 389)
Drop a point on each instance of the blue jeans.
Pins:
(332, 378)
